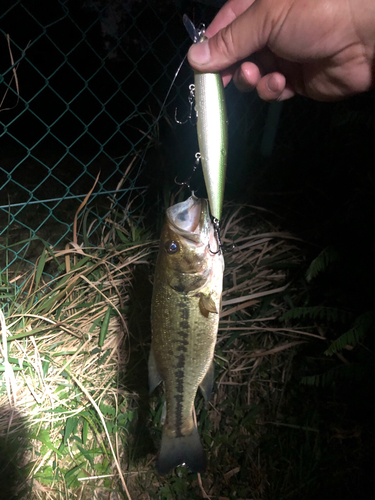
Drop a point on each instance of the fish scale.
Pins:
(185, 362)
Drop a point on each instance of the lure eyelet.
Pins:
(172, 247)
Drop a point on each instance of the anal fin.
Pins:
(154, 377)
(208, 382)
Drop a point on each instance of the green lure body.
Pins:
(212, 127)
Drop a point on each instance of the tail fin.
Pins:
(185, 450)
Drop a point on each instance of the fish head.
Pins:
(186, 239)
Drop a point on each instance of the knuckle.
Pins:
(225, 43)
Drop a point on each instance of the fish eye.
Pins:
(172, 247)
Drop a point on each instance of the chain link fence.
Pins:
(81, 90)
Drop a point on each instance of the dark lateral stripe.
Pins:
(183, 336)
(179, 397)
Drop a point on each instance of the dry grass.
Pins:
(254, 355)
(64, 344)
(254, 350)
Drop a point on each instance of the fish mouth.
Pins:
(191, 219)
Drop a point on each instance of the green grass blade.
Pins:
(104, 328)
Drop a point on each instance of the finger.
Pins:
(272, 87)
(247, 77)
(249, 73)
(227, 75)
(227, 14)
(248, 33)
(269, 87)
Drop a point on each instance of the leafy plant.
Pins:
(324, 313)
(332, 320)
(322, 262)
(354, 335)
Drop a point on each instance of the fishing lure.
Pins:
(212, 128)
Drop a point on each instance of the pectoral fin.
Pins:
(208, 382)
(207, 305)
(154, 378)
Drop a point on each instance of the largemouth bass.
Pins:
(184, 318)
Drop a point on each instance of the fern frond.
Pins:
(317, 312)
(352, 336)
(342, 372)
(321, 262)
(325, 379)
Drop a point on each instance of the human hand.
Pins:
(323, 49)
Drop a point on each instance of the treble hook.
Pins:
(191, 99)
(228, 248)
(216, 224)
(183, 183)
(195, 166)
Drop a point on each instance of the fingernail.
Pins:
(272, 84)
(200, 53)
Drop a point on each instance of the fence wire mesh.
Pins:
(81, 89)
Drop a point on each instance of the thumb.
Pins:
(248, 33)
